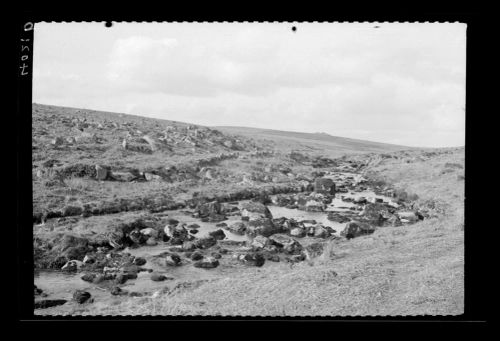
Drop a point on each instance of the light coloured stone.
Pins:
(101, 172)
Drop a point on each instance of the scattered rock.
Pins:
(337, 217)
(88, 259)
(188, 246)
(205, 243)
(176, 231)
(298, 232)
(152, 143)
(58, 141)
(172, 259)
(376, 214)
(152, 177)
(321, 232)
(324, 186)
(139, 261)
(207, 263)
(72, 210)
(355, 229)
(37, 291)
(272, 257)
(259, 242)
(209, 209)
(157, 277)
(72, 266)
(255, 210)
(218, 234)
(151, 242)
(44, 304)
(238, 228)
(117, 291)
(360, 200)
(103, 277)
(196, 255)
(137, 237)
(121, 278)
(252, 258)
(123, 176)
(313, 206)
(173, 222)
(315, 249)
(262, 226)
(81, 296)
(408, 215)
(394, 221)
(150, 232)
(297, 258)
(175, 240)
(286, 243)
(101, 172)
(88, 278)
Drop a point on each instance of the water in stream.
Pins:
(61, 285)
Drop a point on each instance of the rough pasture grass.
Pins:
(410, 271)
(427, 180)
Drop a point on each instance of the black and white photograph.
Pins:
(272, 169)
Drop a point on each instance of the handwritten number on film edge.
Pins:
(25, 48)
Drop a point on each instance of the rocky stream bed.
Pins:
(159, 252)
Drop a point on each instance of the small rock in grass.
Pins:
(158, 277)
(117, 291)
(88, 277)
(218, 234)
(43, 304)
(81, 296)
(139, 261)
(207, 263)
(196, 255)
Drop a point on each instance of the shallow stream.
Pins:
(60, 285)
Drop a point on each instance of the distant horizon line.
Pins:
(236, 126)
(342, 137)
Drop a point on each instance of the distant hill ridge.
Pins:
(314, 136)
(319, 141)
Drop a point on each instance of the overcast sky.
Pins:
(399, 83)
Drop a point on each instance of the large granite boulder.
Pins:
(262, 226)
(238, 228)
(206, 263)
(376, 214)
(355, 229)
(176, 231)
(255, 210)
(286, 243)
(324, 186)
